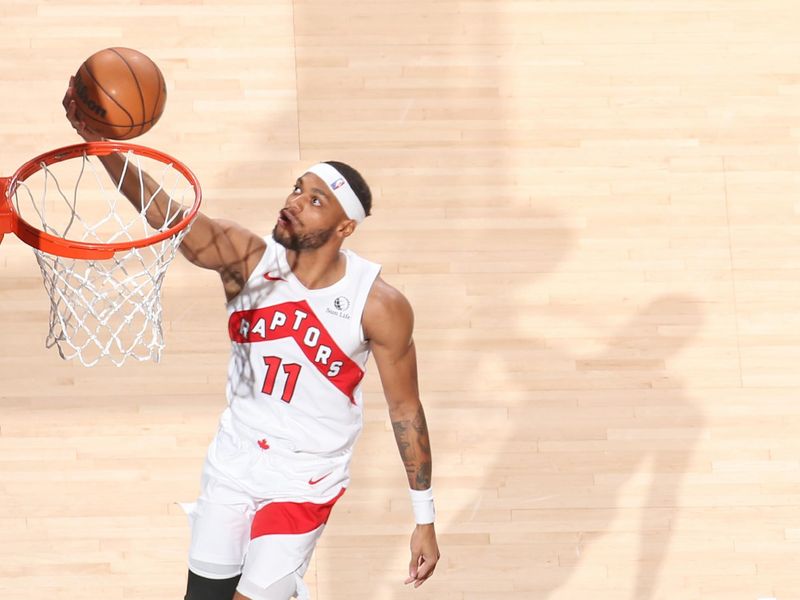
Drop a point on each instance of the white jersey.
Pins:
(297, 359)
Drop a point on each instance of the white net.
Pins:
(106, 309)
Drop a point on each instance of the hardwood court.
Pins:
(593, 207)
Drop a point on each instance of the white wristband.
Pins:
(422, 503)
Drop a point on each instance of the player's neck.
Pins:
(318, 268)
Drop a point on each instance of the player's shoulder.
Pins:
(241, 251)
(386, 297)
(248, 245)
(386, 307)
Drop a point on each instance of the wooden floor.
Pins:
(594, 207)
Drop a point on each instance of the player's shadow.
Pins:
(596, 449)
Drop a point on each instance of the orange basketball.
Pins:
(120, 93)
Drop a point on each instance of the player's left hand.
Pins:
(424, 554)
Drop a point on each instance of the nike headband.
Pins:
(341, 189)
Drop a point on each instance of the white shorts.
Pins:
(259, 513)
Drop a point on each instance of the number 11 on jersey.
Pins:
(292, 371)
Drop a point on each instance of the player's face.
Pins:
(310, 216)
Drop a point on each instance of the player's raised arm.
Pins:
(388, 324)
(223, 246)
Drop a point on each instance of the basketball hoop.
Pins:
(103, 259)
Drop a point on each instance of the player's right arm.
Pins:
(215, 244)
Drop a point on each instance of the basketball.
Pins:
(120, 93)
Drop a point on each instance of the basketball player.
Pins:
(303, 317)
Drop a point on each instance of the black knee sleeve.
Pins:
(202, 588)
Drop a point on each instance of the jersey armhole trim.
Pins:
(376, 271)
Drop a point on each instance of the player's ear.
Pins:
(346, 228)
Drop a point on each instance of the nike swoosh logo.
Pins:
(269, 277)
(312, 482)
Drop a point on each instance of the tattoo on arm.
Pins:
(414, 445)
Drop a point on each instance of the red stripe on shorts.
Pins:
(291, 517)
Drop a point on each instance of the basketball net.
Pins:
(106, 308)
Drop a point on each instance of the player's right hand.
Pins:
(74, 117)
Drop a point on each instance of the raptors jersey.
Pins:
(298, 356)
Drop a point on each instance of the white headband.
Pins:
(341, 189)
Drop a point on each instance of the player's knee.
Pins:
(283, 589)
(203, 588)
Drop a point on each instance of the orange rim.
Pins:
(11, 222)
